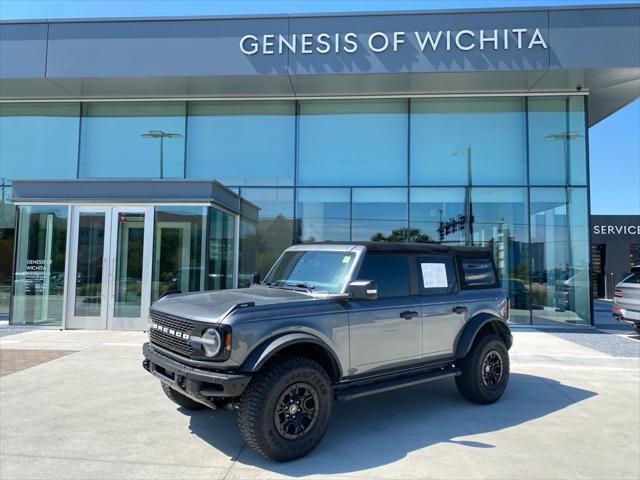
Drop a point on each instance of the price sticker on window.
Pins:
(434, 275)
(346, 259)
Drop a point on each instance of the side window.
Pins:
(437, 275)
(478, 272)
(390, 272)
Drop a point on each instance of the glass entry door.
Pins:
(110, 263)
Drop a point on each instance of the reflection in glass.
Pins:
(222, 233)
(39, 141)
(352, 142)
(7, 236)
(135, 140)
(500, 223)
(242, 143)
(262, 245)
(129, 263)
(323, 214)
(450, 134)
(380, 214)
(560, 255)
(40, 259)
(438, 214)
(557, 141)
(90, 255)
(178, 250)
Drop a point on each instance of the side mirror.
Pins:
(255, 278)
(363, 290)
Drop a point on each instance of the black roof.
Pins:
(416, 248)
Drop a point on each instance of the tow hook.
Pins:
(180, 381)
(145, 364)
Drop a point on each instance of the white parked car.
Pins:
(626, 302)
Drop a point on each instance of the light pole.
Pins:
(466, 152)
(161, 135)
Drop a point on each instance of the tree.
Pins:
(402, 235)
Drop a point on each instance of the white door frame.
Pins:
(71, 319)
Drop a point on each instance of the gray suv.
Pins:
(333, 322)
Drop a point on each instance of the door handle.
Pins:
(459, 309)
(408, 314)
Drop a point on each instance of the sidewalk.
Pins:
(570, 411)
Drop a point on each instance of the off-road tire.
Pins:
(180, 399)
(258, 403)
(470, 383)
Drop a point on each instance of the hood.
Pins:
(211, 306)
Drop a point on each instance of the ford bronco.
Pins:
(333, 322)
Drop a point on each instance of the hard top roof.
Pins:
(415, 248)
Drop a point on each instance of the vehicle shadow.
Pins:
(382, 429)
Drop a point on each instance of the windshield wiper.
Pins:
(308, 286)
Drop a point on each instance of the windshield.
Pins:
(312, 270)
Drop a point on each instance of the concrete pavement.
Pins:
(570, 411)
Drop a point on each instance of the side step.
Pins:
(357, 391)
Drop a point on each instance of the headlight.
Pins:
(211, 342)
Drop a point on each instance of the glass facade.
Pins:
(507, 172)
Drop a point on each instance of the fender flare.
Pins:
(473, 326)
(270, 347)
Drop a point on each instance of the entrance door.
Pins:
(110, 264)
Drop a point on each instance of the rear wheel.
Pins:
(284, 412)
(484, 370)
(180, 399)
(636, 327)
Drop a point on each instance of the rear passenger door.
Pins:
(388, 330)
(443, 315)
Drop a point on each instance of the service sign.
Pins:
(378, 42)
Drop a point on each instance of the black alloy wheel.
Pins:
(296, 410)
(492, 369)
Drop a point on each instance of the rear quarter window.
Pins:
(478, 273)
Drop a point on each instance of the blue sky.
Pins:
(614, 142)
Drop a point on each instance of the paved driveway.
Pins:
(570, 411)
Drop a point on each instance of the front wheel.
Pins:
(484, 370)
(284, 412)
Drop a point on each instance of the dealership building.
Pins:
(144, 156)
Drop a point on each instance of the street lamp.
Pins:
(161, 135)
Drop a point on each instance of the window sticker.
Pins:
(346, 259)
(434, 275)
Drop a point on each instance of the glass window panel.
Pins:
(379, 214)
(500, 223)
(132, 140)
(261, 243)
(178, 250)
(129, 258)
(557, 141)
(242, 143)
(560, 256)
(7, 236)
(352, 142)
(437, 215)
(89, 261)
(449, 134)
(222, 234)
(323, 214)
(40, 260)
(39, 140)
(390, 272)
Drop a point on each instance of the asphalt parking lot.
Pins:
(86, 409)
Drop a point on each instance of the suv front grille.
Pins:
(170, 339)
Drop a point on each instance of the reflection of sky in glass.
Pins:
(429, 206)
(272, 202)
(353, 142)
(38, 141)
(444, 132)
(498, 210)
(324, 213)
(378, 210)
(548, 119)
(112, 145)
(242, 143)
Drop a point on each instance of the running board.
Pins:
(350, 393)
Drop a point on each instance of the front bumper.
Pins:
(199, 384)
